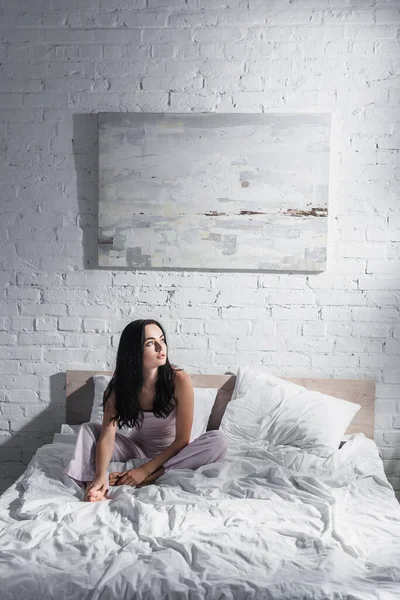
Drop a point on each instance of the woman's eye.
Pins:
(150, 343)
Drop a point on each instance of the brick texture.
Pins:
(61, 63)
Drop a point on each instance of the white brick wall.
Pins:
(60, 66)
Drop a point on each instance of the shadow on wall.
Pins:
(19, 449)
(81, 207)
(85, 148)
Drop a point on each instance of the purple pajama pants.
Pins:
(207, 448)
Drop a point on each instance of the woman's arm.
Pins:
(184, 395)
(105, 443)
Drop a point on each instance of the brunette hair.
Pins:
(127, 380)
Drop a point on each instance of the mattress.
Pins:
(266, 522)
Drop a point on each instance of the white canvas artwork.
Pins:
(213, 191)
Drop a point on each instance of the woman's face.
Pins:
(155, 349)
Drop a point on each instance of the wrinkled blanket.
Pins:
(265, 522)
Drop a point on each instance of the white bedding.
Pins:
(265, 523)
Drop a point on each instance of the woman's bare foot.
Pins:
(92, 495)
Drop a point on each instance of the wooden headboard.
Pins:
(80, 392)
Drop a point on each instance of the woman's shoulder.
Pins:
(180, 375)
(177, 369)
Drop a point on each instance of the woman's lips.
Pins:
(161, 356)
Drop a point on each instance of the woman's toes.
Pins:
(97, 495)
(90, 495)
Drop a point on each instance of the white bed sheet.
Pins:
(272, 523)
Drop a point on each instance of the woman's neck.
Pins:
(150, 378)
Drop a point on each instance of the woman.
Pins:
(155, 399)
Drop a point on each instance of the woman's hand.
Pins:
(132, 477)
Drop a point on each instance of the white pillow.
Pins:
(264, 407)
(203, 402)
(204, 399)
(100, 385)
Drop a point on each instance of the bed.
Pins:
(266, 522)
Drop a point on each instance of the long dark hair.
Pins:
(128, 379)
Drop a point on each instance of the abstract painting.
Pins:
(213, 191)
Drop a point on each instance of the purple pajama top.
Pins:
(156, 433)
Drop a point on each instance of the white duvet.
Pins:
(264, 523)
